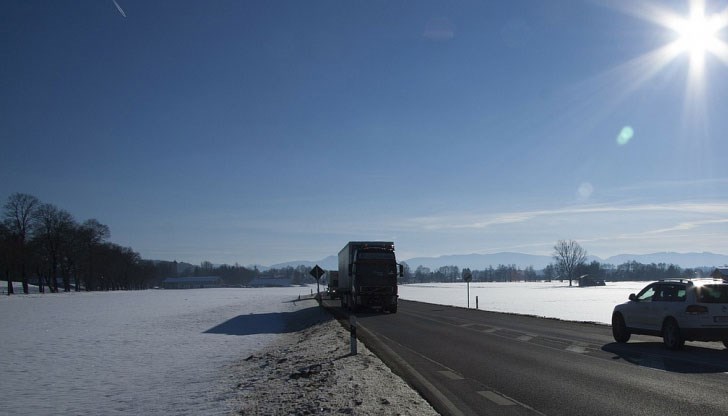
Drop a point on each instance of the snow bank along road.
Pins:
(187, 352)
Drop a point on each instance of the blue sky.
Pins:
(268, 131)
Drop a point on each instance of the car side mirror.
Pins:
(633, 297)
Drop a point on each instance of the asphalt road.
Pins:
(468, 362)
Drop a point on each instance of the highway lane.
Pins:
(470, 362)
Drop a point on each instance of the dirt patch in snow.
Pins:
(311, 371)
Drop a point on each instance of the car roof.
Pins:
(694, 282)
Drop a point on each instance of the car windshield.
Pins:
(646, 294)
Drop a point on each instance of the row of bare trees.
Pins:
(44, 245)
(501, 273)
(570, 263)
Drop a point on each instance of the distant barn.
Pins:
(720, 273)
(192, 282)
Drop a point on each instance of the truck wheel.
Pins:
(393, 309)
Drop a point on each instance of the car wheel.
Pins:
(619, 329)
(671, 335)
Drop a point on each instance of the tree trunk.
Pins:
(24, 278)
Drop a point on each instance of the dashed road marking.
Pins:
(525, 338)
(496, 398)
(577, 348)
(479, 327)
(451, 375)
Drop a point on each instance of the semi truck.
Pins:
(333, 276)
(368, 272)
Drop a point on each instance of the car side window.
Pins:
(646, 294)
(670, 293)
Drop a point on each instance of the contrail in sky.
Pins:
(119, 8)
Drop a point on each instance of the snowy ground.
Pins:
(313, 372)
(187, 352)
(548, 299)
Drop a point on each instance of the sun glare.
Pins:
(698, 34)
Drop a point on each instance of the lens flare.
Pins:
(625, 135)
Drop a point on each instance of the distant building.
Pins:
(270, 282)
(720, 273)
(588, 281)
(192, 282)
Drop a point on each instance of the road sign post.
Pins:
(468, 276)
(317, 272)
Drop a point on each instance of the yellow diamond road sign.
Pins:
(317, 272)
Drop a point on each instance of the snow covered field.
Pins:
(548, 299)
(142, 352)
(184, 351)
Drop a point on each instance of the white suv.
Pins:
(676, 310)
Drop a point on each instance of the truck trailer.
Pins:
(368, 272)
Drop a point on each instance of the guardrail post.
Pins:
(476, 302)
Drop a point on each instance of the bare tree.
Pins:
(569, 255)
(6, 258)
(92, 235)
(52, 228)
(18, 217)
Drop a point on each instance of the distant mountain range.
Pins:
(521, 260)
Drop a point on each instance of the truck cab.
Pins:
(371, 271)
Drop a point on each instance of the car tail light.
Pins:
(696, 309)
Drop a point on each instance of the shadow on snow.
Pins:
(272, 323)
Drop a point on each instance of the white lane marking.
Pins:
(496, 398)
(525, 338)
(577, 348)
(450, 406)
(477, 327)
(451, 375)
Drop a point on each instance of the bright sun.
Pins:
(698, 33)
